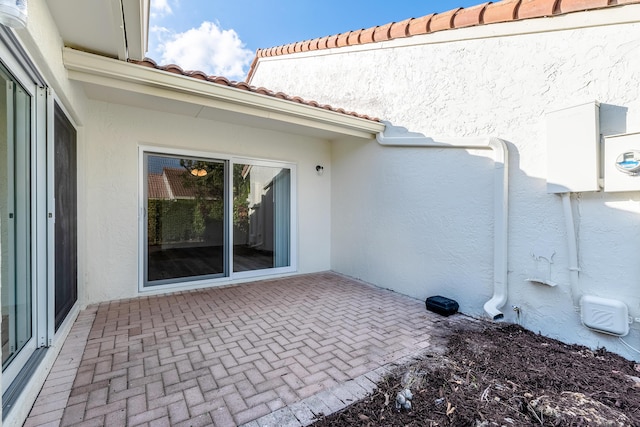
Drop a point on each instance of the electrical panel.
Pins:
(573, 149)
(622, 162)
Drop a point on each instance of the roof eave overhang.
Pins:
(136, 27)
(99, 70)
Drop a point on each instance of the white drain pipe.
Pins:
(572, 245)
(397, 136)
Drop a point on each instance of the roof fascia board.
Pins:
(627, 14)
(136, 26)
(96, 69)
(118, 23)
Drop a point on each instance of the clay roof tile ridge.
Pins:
(242, 85)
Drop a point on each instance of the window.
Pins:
(214, 218)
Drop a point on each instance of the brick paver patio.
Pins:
(273, 352)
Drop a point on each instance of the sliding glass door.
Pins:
(185, 211)
(15, 225)
(38, 205)
(262, 201)
(214, 218)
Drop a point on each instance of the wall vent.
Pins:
(605, 315)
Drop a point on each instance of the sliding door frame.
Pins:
(22, 70)
(36, 194)
(230, 275)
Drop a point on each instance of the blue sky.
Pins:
(221, 37)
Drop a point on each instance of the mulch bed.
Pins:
(504, 375)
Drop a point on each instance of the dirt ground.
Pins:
(503, 375)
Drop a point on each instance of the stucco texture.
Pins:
(420, 221)
(114, 135)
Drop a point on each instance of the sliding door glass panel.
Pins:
(185, 203)
(15, 218)
(261, 217)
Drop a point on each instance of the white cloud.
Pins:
(160, 8)
(208, 48)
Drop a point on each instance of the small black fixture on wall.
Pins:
(319, 169)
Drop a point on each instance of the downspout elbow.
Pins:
(492, 306)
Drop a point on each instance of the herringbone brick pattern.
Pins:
(227, 356)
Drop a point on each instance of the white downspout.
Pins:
(400, 137)
(572, 249)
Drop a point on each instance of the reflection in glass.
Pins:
(15, 217)
(261, 217)
(185, 217)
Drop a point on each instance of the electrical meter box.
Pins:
(573, 149)
(622, 162)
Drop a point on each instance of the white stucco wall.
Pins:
(114, 133)
(43, 46)
(420, 221)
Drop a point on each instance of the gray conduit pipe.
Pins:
(396, 136)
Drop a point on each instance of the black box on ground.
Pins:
(442, 305)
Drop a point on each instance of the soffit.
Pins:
(149, 88)
(113, 28)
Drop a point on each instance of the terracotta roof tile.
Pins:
(222, 81)
(420, 25)
(482, 14)
(567, 6)
(219, 80)
(175, 69)
(536, 8)
(501, 11)
(354, 37)
(400, 29)
(382, 32)
(366, 36)
(156, 187)
(343, 39)
(197, 75)
(332, 41)
(180, 181)
(313, 44)
(470, 16)
(443, 21)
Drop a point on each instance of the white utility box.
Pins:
(622, 162)
(573, 149)
(605, 315)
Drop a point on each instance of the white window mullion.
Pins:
(39, 176)
(229, 219)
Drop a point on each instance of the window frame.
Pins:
(229, 276)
